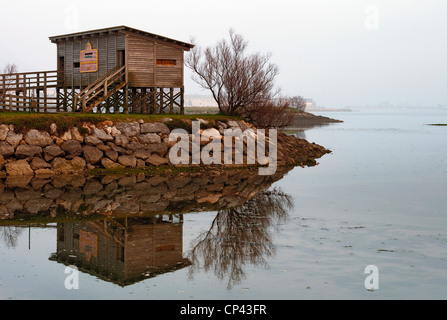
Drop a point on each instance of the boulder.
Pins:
(4, 129)
(26, 151)
(109, 164)
(102, 135)
(92, 154)
(149, 138)
(160, 149)
(6, 150)
(129, 129)
(38, 138)
(14, 138)
(64, 166)
(38, 163)
(115, 132)
(128, 161)
(155, 127)
(103, 147)
(92, 140)
(233, 124)
(52, 151)
(67, 136)
(121, 140)
(156, 160)
(112, 155)
(143, 154)
(18, 168)
(76, 135)
(72, 147)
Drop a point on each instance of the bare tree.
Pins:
(271, 113)
(297, 102)
(7, 80)
(236, 79)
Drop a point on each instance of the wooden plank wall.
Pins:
(107, 45)
(169, 76)
(142, 63)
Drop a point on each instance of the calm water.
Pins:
(378, 199)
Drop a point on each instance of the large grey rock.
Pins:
(14, 138)
(92, 140)
(52, 152)
(155, 127)
(92, 154)
(160, 149)
(149, 138)
(72, 147)
(121, 140)
(26, 151)
(102, 135)
(130, 129)
(38, 138)
(18, 168)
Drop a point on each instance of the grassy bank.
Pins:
(64, 121)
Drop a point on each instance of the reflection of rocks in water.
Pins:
(127, 228)
(79, 196)
(123, 251)
(240, 236)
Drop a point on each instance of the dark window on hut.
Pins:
(76, 65)
(166, 62)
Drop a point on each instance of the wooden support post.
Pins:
(171, 101)
(182, 99)
(126, 99)
(45, 110)
(161, 100)
(154, 100)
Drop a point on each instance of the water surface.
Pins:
(309, 233)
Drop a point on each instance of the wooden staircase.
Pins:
(100, 90)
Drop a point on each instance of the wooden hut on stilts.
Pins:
(112, 70)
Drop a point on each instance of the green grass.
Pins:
(438, 124)
(64, 121)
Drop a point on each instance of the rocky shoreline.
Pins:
(117, 146)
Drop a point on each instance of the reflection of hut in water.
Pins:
(123, 251)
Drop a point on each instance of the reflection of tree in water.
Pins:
(9, 235)
(241, 236)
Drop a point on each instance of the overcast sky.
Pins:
(338, 52)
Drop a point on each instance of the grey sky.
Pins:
(340, 53)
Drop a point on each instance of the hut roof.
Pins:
(184, 45)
